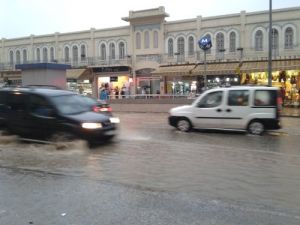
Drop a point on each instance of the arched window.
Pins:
(52, 54)
(112, 51)
(219, 42)
(11, 57)
(191, 46)
(103, 52)
(75, 53)
(259, 40)
(232, 42)
(45, 55)
(288, 38)
(122, 50)
(180, 46)
(275, 40)
(170, 48)
(155, 39)
(138, 40)
(24, 56)
(146, 40)
(82, 52)
(67, 54)
(38, 55)
(18, 57)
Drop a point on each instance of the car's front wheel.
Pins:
(256, 127)
(184, 125)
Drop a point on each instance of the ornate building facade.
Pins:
(156, 56)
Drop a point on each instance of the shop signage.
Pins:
(71, 80)
(205, 43)
(113, 79)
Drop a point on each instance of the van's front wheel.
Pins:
(184, 125)
(256, 127)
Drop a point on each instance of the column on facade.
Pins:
(31, 55)
(57, 49)
(133, 59)
(2, 56)
(242, 43)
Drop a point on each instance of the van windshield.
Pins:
(70, 104)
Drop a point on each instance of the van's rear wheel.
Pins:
(184, 125)
(256, 127)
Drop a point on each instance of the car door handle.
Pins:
(228, 110)
(219, 110)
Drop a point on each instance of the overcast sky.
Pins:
(21, 18)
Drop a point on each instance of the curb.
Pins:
(164, 108)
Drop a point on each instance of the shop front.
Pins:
(11, 78)
(147, 83)
(189, 79)
(79, 81)
(117, 82)
(285, 75)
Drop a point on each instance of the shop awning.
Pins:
(262, 66)
(217, 68)
(175, 70)
(78, 74)
(193, 70)
(11, 74)
(255, 66)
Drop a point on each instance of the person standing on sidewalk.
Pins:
(282, 90)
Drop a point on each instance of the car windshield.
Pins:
(70, 104)
(89, 100)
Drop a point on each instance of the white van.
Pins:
(251, 108)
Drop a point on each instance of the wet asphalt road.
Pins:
(153, 174)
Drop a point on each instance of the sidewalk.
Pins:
(290, 112)
(164, 108)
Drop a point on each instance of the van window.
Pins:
(238, 98)
(265, 98)
(211, 100)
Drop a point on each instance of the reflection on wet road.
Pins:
(150, 155)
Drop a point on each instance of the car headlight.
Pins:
(91, 125)
(114, 120)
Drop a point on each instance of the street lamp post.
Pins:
(270, 45)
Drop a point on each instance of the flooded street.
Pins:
(154, 174)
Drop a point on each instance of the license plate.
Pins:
(114, 120)
(111, 132)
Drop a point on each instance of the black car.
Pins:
(41, 113)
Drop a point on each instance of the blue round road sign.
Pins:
(205, 43)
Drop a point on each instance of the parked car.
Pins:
(251, 108)
(42, 113)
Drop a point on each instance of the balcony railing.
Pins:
(187, 58)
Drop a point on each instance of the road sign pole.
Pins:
(205, 76)
(205, 44)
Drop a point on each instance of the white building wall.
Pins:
(243, 24)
